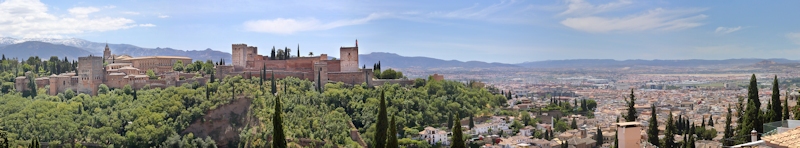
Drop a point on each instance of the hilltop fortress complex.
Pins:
(119, 71)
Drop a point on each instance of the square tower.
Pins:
(349, 58)
(90, 74)
(239, 55)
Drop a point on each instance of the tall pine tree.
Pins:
(599, 138)
(381, 125)
(652, 130)
(669, 133)
(392, 141)
(728, 134)
(752, 115)
(274, 87)
(776, 107)
(458, 137)
(786, 107)
(471, 122)
(631, 115)
(711, 120)
(278, 137)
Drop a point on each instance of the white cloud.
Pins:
(289, 26)
(656, 19)
(794, 37)
(580, 7)
(163, 16)
(82, 11)
(146, 25)
(130, 13)
(29, 18)
(726, 30)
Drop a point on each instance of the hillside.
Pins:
(43, 50)
(578, 63)
(97, 48)
(397, 61)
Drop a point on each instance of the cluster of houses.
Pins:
(497, 132)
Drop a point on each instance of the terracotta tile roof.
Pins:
(787, 139)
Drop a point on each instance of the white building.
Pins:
(496, 126)
(526, 131)
(433, 136)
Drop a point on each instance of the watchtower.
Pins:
(90, 73)
(349, 58)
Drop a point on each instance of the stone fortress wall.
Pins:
(119, 71)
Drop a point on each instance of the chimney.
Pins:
(583, 131)
(753, 135)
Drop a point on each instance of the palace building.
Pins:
(118, 71)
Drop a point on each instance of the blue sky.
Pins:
(493, 31)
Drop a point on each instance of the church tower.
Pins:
(106, 54)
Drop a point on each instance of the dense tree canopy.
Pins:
(156, 117)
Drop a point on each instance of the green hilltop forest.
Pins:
(156, 117)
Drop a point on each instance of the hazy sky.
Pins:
(494, 31)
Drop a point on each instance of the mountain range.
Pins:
(582, 63)
(74, 47)
(398, 61)
(26, 45)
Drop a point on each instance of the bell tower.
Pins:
(106, 54)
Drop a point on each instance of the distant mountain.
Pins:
(120, 49)
(43, 50)
(397, 61)
(578, 63)
(202, 55)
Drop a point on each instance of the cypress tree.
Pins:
(728, 134)
(740, 112)
(298, 50)
(381, 125)
(274, 88)
(669, 133)
(261, 75)
(211, 80)
(450, 121)
(458, 136)
(573, 125)
(272, 54)
(786, 107)
(599, 138)
(711, 120)
(691, 137)
(278, 137)
(776, 107)
(471, 122)
(631, 116)
(392, 141)
(752, 115)
(652, 130)
(796, 111)
(703, 123)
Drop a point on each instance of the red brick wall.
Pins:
(334, 65)
(347, 77)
